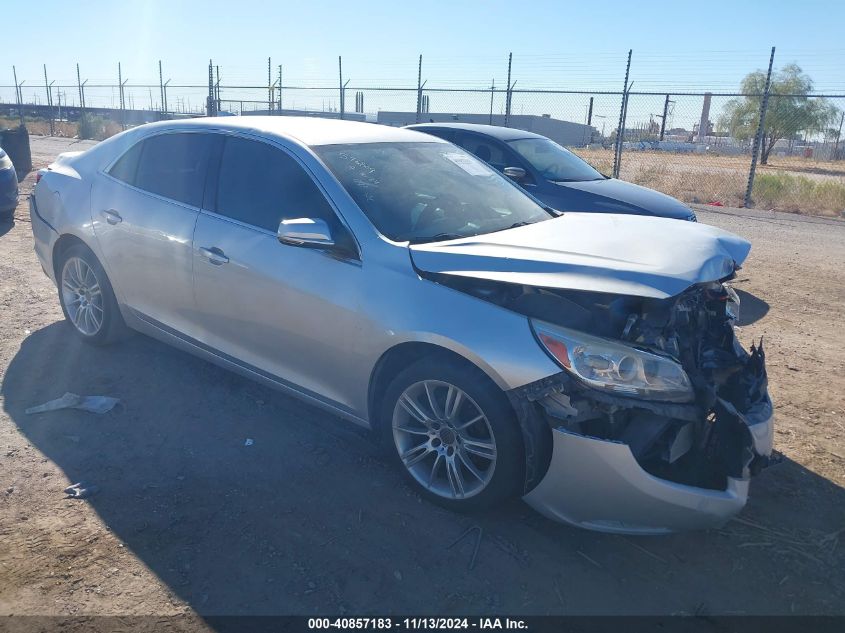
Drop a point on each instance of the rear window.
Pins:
(126, 166)
(169, 165)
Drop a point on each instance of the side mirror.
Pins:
(308, 232)
(515, 173)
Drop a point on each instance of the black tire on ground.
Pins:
(508, 472)
(113, 327)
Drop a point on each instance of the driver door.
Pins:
(286, 312)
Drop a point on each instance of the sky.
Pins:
(678, 46)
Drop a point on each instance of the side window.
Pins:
(174, 166)
(446, 135)
(486, 150)
(261, 185)
(126, 166)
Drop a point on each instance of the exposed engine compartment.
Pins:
(700, 443)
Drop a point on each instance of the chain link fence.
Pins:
(700, 147)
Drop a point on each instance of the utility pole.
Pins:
(508, 92)
(758, 137)
(269, 87)
(620, 130)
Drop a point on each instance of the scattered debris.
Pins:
(81, 490)
(249, 442)
(92, 404)
(466, 533)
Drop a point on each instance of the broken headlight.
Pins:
(613, 366)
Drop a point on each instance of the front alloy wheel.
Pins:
(444, 439)
(453, 432)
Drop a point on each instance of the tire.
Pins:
(435, 450)
(103, 323)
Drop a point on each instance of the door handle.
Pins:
(214, 255)
(112, 216)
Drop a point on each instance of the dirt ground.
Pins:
(309, 519)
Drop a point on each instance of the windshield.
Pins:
(428, 191)
(553, 161)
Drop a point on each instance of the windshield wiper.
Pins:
(439, 237)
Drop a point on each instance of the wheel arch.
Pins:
(402, 355)
(65, 241)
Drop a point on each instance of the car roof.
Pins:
(501, 133)
(306, 130)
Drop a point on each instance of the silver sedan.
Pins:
(498, 348)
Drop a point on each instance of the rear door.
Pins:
(144, 212)
(287, 312)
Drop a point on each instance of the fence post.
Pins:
(758, 137)
(79, 86)
(47, 87)
(838, 135)
(663, 120)
(419, 90)
(340, 78)
(508, 93)
(620, 130)
(210, 101)
(217, 90)
(280, 89)
(18, 95)
(269, 88)
(162, 107)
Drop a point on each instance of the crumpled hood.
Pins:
(619, 254)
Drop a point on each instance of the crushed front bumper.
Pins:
(598, 484)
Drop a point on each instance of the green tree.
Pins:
(790, 110)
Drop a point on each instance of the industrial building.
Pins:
(564, 133)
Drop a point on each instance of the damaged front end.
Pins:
(658, 418)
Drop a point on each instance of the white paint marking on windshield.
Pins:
(469, 164)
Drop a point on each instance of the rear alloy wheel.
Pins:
(82, 296)
(454, 434)
(87, 298)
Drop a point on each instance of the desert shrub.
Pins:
(91, 127)
(788, 192)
